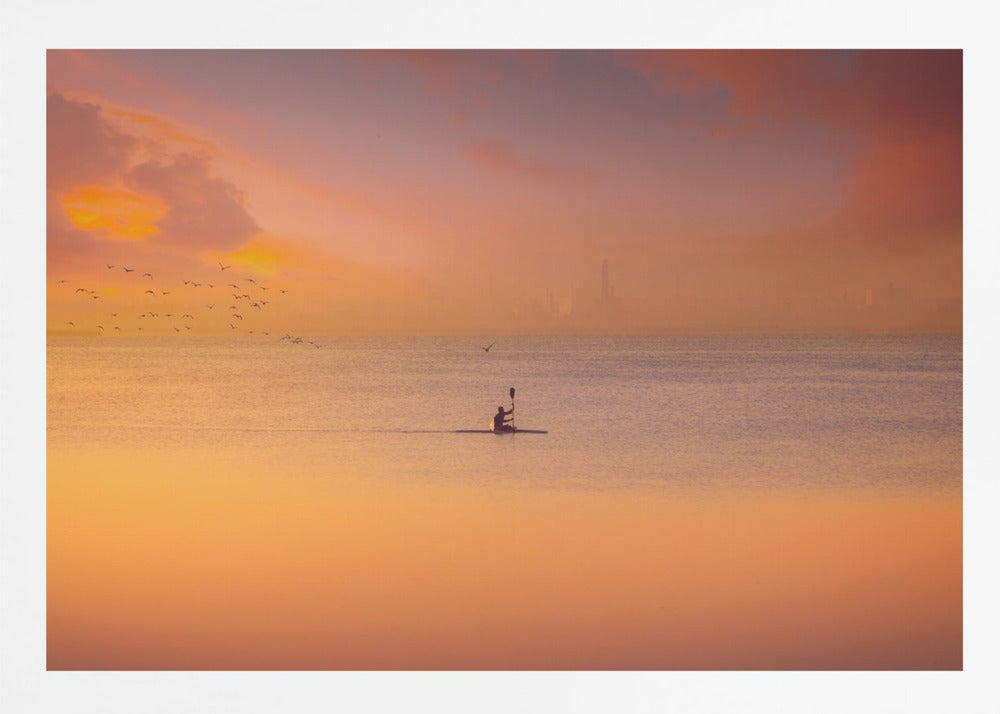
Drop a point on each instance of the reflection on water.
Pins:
(199, 518)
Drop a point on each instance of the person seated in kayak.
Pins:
(500, 419)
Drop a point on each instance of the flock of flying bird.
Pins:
(256, 296)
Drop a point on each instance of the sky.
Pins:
(483, 191)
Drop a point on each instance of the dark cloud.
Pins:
(902, 110)
(82, 148)
(203, 212)
(908, 95)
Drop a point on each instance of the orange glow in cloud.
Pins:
(256, 256)
(271, 255)
(124, 215)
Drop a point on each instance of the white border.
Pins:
(29, 27)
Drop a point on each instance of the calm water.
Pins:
(698, 503)
(880, 412)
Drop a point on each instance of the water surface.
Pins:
(765, 502)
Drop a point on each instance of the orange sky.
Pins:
(481, 191)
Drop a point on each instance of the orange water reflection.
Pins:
(204, 562)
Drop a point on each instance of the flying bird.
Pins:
(237, 316)
(71, 324)
(110, 266)
(114, 314)
(165, 292)
(232, 325)
(251, 280)
(150, 292)
(183, 316)
(117, 328)
(95, 296)
(210, 306)
(82, 290)
(101, 328)
(487, 349)
(128, 270)
(283, 291)
(147, 275)
(60, 282)
(223, 267)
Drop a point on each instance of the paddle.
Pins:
(512, 409)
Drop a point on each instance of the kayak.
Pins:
(509, 429)
(490, 431)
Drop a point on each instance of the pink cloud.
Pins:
(439, 71)
(82, 148)
(538, 64)
(160, 132)
(908, 184)
(202, 211)
(499, 156)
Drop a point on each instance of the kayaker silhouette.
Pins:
(500, 419)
